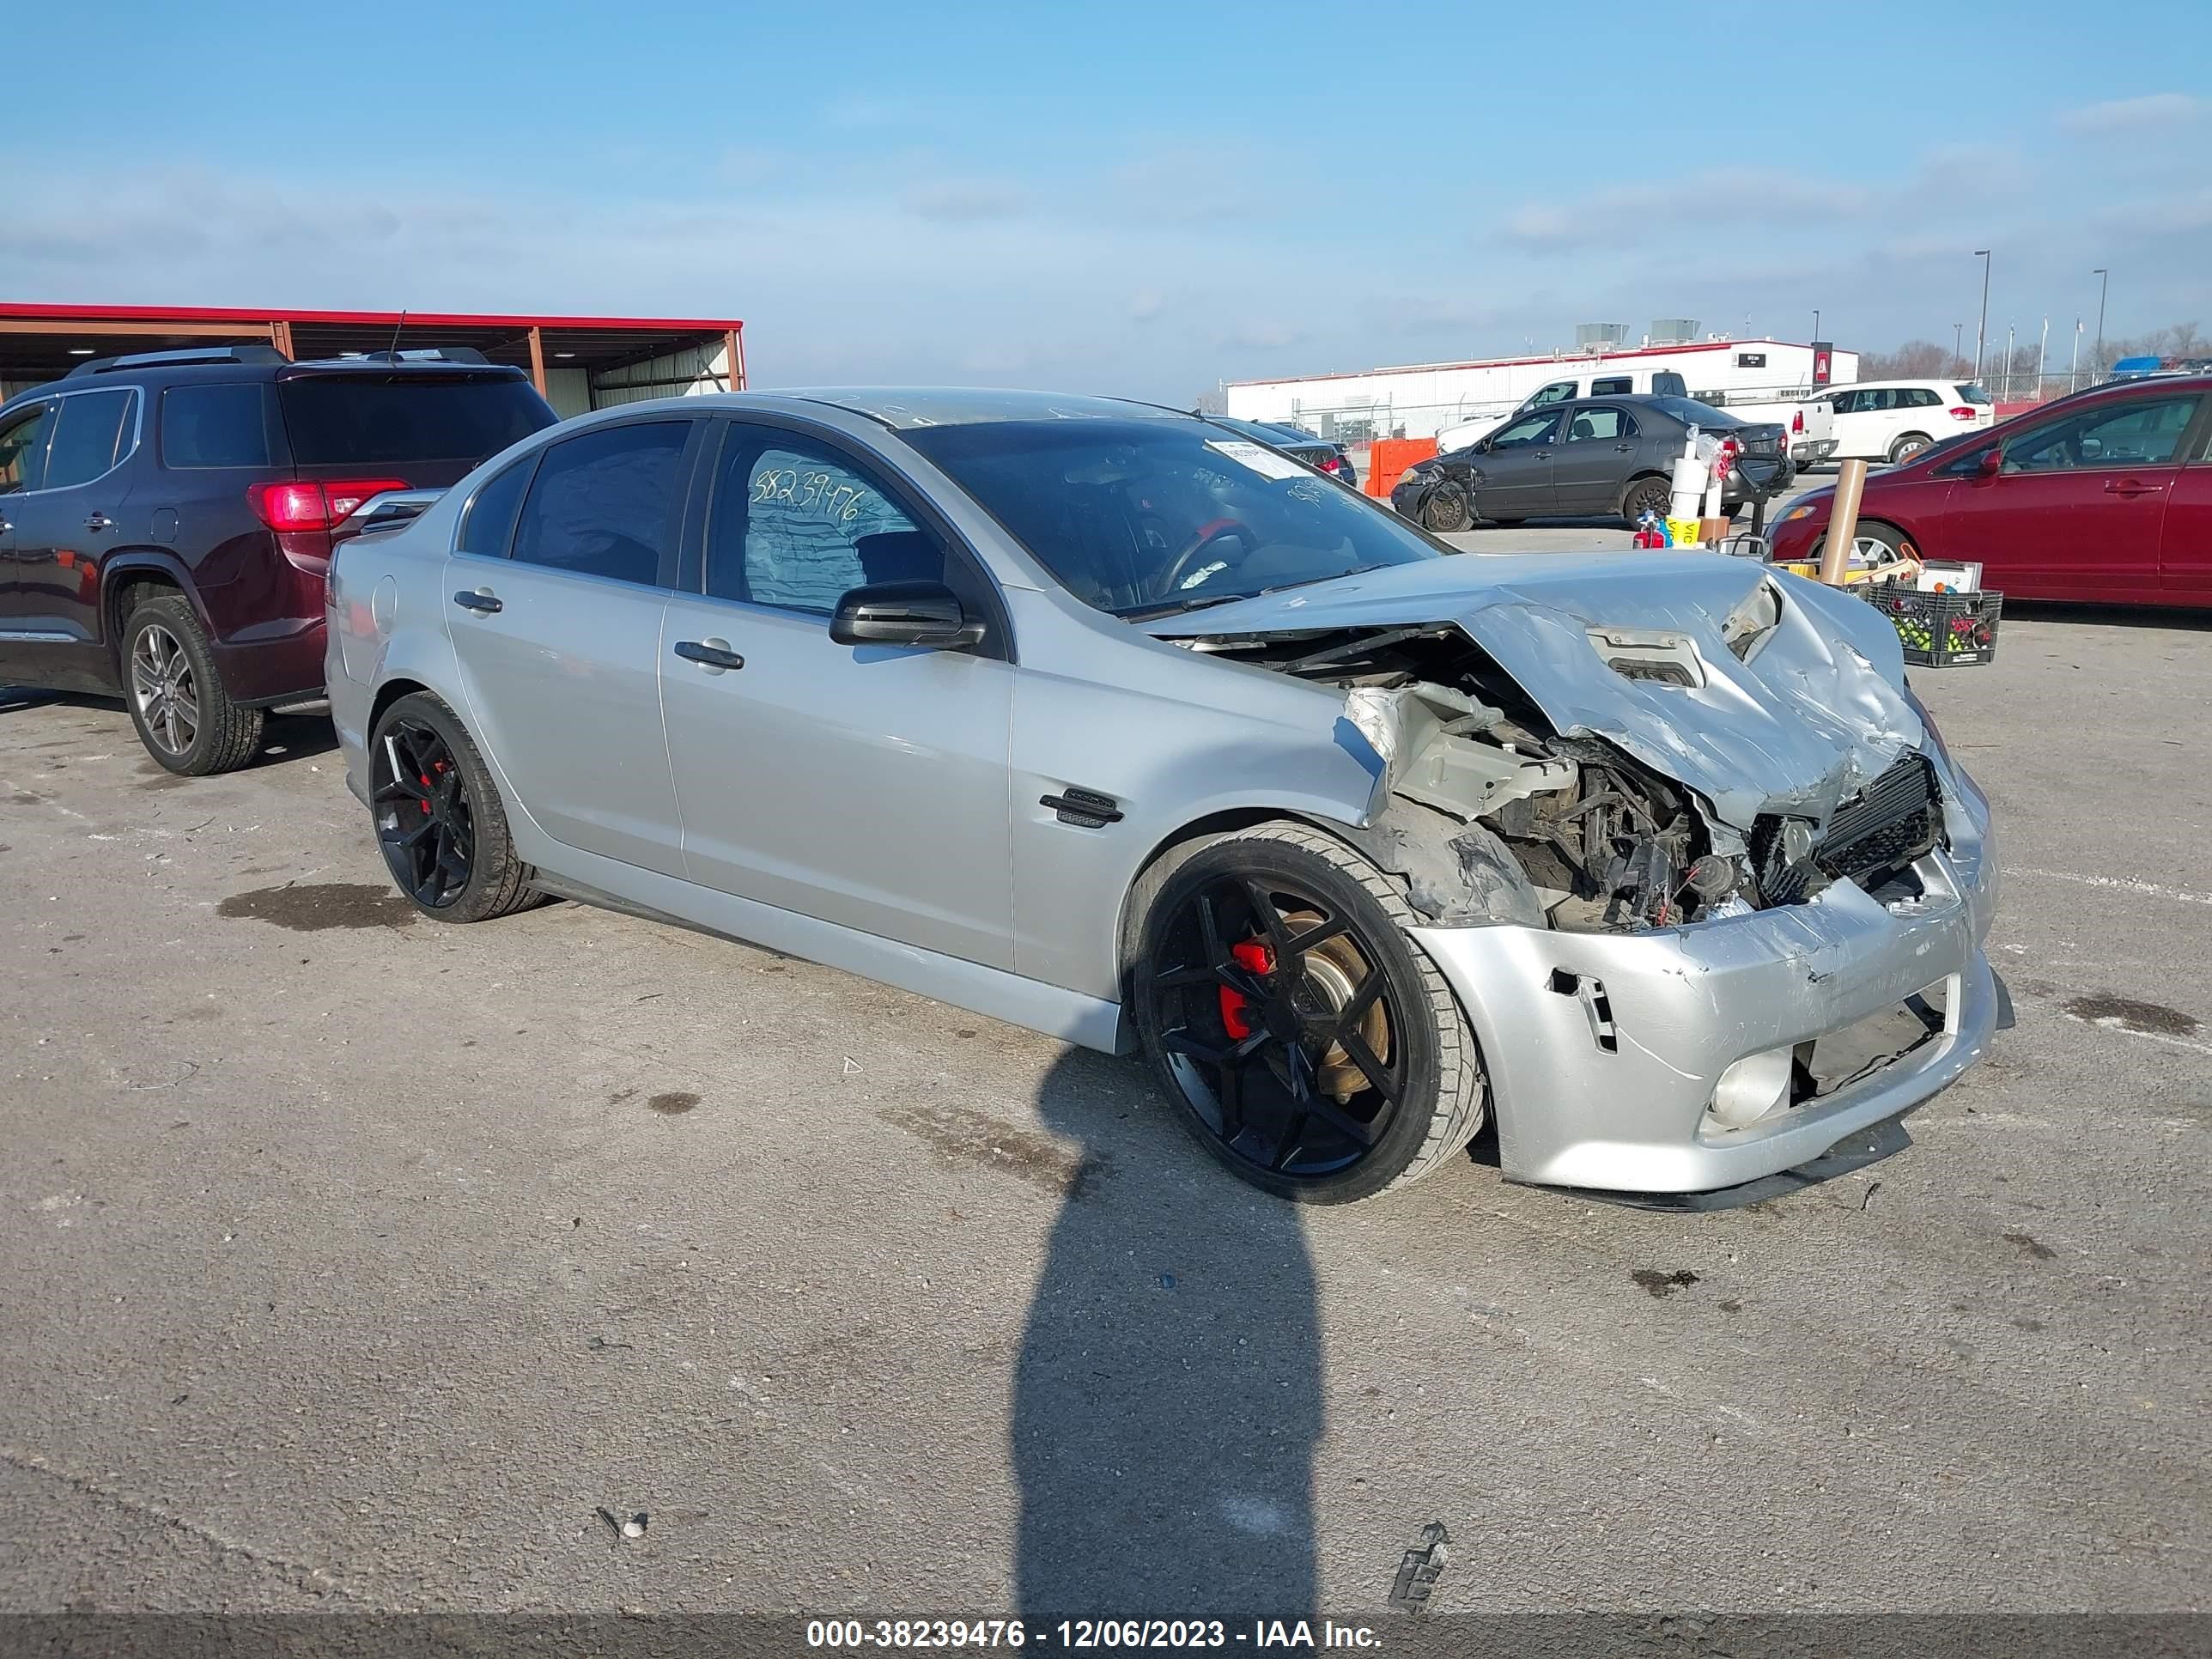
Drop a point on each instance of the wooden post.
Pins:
(537, 361)
(733, 361)
(1843, 522)
(280, 335)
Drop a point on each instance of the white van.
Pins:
(1608, 381)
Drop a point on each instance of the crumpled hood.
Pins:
(1817, 711)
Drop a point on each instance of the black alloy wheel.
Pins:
(424, 820)
(1646, 495)
(1278, 1026)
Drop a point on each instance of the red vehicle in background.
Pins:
(2104, 497)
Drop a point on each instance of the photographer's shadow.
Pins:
(1168, 1394)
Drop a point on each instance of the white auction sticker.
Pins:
(1263, 461)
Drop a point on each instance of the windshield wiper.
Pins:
(1177, 607)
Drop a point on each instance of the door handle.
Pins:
(1622, 449)
(2131, 487)
(98, 520)
(482, 600)
(5, 526)
(1543, 454)
(713, 655)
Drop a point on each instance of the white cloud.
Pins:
(1623, 214)
(2127, 114)
(964, 201)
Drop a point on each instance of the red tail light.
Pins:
(1331, 463)
(1964, 412)
(292, 506)
(1796, 420)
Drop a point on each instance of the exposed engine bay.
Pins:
(1492, 813)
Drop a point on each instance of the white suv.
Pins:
(1895, 420)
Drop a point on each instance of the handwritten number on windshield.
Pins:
(816, 493)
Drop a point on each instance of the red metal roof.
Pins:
(251, 317)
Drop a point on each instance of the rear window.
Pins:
(369, 420)
(1697, 414)
(1974, 394)
(1666, 383)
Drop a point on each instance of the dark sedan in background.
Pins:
(1596, 458)
(1319, 454)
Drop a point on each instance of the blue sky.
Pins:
(1137, 198)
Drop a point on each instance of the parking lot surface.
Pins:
(351, 1261)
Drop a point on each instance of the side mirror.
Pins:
(1991, 464)
(913, 613)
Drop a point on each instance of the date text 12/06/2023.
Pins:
(1293, 1635)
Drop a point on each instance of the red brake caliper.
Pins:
(1252, 954)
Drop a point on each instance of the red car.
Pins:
(2104, 496)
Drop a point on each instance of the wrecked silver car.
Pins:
(1114, 723)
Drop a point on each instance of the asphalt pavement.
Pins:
(571, 1262)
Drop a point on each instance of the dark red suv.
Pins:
(2104, 496)
(165, 520)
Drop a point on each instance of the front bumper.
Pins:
(1685, 1004)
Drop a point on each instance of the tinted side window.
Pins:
(488, 526)
(2146, 434)
(796, 524)
(1920, 397)
(215, 426)
(1667, 384)
(1558, 392)
(1529, 429)
(604, 503)
(1591, 423)
(1615, 387)
(23, 451)
(92, 433)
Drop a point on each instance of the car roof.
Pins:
(1932, 380)
(907, 407)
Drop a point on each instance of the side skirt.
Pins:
(652, 896)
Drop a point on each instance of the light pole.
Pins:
(1982, 328)
(2104, 281)
(2074, 370)
(2008, 360)
(1958, 340)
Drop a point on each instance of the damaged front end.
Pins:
(1492, 813)
(1714, 778)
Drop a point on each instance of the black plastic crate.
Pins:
(1938, 631)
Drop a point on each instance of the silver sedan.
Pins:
(1114, 723)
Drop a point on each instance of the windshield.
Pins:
(369, 420)
(1145, 517)
(1692, 413)
(1972, 394)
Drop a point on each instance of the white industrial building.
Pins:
(1421, 399)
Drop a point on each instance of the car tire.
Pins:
(1872, 530)
(1649, 494)
(1354, 1075)
(439, 821)
(1445, 509)
(185, 719)
(1908, 445)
